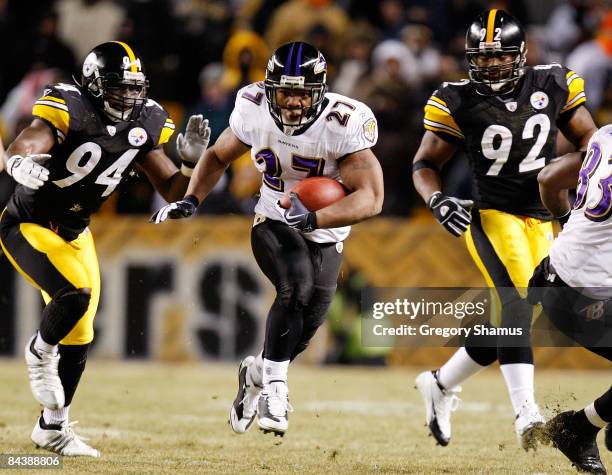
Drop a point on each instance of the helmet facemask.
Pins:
(294, 85)
(499, 77)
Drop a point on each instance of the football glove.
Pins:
(177, 210)
(28, 170)
(192, 145)
(451, 212)
(298, 216)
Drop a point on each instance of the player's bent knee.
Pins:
(294, 295)
(73, 301)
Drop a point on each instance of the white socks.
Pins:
(519, 380)
(56, 417)
(457, 369)
(593, 417)
(42, 345)
(274, 371)
(255, 370)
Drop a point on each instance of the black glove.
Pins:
(177, 210)
(451, 212)
(298, 216)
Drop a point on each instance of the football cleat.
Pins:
(529, 428)
(45, 382)
(244, 408)
(608, 437)
(578, 444)
(273, 409)
(439, 403)
(61, 439)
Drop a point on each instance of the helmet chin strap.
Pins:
(114, 114)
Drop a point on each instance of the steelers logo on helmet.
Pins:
(295, 85)
(90, 65)
(495, 51)
(115, 80)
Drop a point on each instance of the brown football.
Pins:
(316, 192)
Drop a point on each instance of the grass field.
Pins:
(154, 418)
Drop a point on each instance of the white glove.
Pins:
(27, 170)
(191, 146)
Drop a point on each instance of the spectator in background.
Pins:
(84, 24)
(216, 101)
(593, 61)
(392, 18)
(295, 18)
(569, 24)
(428, 59)
(392, 92)
(356, 63)
(49, 50)
(17, 109)
(244, 60)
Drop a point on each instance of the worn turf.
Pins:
(161, 418)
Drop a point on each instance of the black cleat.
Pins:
(576, 441)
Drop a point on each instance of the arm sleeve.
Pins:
(439, 119)
(575, 92)
(53, 109)
(166, 132)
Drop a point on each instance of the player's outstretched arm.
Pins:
(450, 212)
(210, 169)
(205, 176)
(431, 155)
(555, 179)
(26, 155)
(160, 170)
(362, 175)
(561, 174)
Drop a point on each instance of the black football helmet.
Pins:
(296, 65)
(493, 33)
(113, 75)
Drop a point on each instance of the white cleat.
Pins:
(45, 382)
(439, 403)
(273, 409)
(529, 426)
(244, 408)
(61, 439)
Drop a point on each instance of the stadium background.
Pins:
(191, 290)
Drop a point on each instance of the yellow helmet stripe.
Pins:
(491, 25)
(130, 54)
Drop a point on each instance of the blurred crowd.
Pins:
(391, 54)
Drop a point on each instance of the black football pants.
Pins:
(305, 274)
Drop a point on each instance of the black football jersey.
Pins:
(508, 140)
(89, 159)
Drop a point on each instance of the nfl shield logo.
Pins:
(511, 106)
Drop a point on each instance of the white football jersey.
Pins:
(343, 126)
(582, 253)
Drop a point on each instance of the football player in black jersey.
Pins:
(505, 117)
(67, 162)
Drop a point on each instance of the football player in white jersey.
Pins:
(295, 129)
(574, 284)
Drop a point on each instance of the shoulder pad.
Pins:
(60, 106)
(157, 123)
